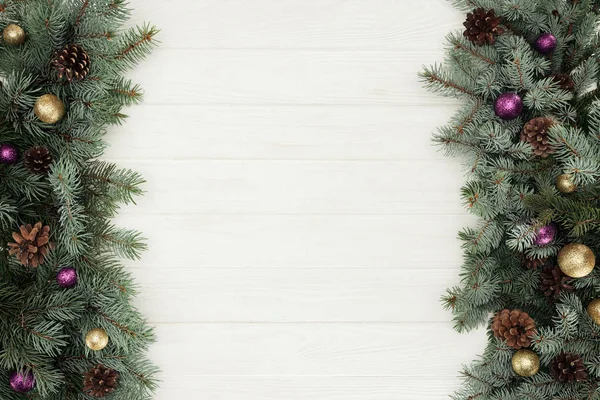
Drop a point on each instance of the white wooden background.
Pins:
(301, 226)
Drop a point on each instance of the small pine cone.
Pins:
(100, 381)
(533, 263)
(568, 368)
(37, 160)
(72, 62)
(514, 326)
(553, 282)
(535, 132)
(564, 81)
(482, 26)
(32, 244)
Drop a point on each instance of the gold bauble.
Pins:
(49, 109)
(565, 184)
(96, 339)
(525, 363)
(14, 35)
(576, 260)
(593, 310)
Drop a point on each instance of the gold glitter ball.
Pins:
(49, 109)
(96, 339)
(565, 184)
(525, 363)
(14, 35)
(576, 260)
(593, 310)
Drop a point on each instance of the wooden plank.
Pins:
(278, 133)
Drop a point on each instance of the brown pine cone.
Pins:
(533, 263)
(71, 62)
(564, 81)
(535, 132)
(568, 368)
(553, 282)
(100, 381)
(514, 326)
(32, 244)
(37, 160)
(482, 26)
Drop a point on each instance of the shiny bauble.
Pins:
(22, 382)
(9, 154)
(66, 277)
(593, 309)
(508, 106)
(96, 339)
(49, 109)
(525, 363)
(545, 235)
(576, 260)
(546, 43)
(13, 35)
(565, 184)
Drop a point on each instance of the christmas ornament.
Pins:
(72, 62)
(482, 27)
(66, 277)
(535, 132)
(508, 106)
(546, 43)
(568, 368)
(576, 260)
(593, 310)
(37, 160)
(49, 109)
(22, 382)
(545, 235)
(553, 282)
(533, 263)
(31, 245)
(525, 363)
(13, 35)
(515, 327)
(96, 339)
(565, 184)
(8, 154)
(100, 381)
(564, 81)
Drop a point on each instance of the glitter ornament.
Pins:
(49, 109)
(546, 43)
(508, 106)
(593, 309)
(8, 154)
(525, 363)
(22, 382)
(13, 35)
(545, 235)
(66, 277)
(96, 339)
(565, 184)
(576, 260)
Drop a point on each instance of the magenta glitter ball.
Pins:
(545, 235)
(22, 382)
(546, 43)
(66, 277)
(8, 154)
(508, 106)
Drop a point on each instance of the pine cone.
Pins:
(564, 81)
(568, 368)
(553, 282)
(533, 263)
(535, 132)
(71, 62)
(38, 160)
(32, 244)
(100, 381)
(514, 326)
(482, 26)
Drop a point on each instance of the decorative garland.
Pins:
(528, 72)
(67, 327)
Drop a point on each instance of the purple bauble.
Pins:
(22, 382)
(545, 235)
(66, 277)
(508, 106)
(546, 43)
(8, 154)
